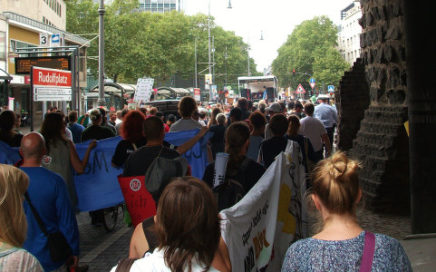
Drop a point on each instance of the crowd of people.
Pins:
(38, 196)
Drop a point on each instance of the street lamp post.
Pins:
(101, 101)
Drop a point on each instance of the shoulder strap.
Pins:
(36, 214)
(368, 252)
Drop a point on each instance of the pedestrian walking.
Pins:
(257, 123)
(188, 228)
(13, 225)
(341, 244)
(7, 131)
(49, 208)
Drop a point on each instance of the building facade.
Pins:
(37, 31)
(160, 6)
(50, 12)
(349, 32)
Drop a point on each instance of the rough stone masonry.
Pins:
(372, 108)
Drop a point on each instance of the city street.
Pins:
(102, 250)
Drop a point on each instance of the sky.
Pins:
(274, 18)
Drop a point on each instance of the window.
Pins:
(2, 45)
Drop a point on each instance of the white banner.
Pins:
(144, 88)
(259, 229)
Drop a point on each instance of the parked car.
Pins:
(166, 99)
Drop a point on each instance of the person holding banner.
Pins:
(132, 133)
(7, 132)
(342, 245)
(61, 153)
(240, 168)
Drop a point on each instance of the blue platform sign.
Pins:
(331, 88)
(312, 82)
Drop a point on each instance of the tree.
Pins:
(310, 50)
(139, 44)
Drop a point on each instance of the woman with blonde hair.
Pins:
(13, 225)
(342, 245)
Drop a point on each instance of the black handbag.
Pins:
(58, 246)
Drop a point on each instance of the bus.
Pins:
(256, 88)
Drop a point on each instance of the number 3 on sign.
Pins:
(43, 39)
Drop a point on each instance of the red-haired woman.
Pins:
(133, 137)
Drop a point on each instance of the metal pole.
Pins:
(209, 52)
(196, 72)
(248, 61)
(209, 39)
(101, 101)
(213, 58)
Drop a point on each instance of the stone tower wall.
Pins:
(381, 143)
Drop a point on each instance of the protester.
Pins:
(75, 128)
(243, 105)
(7, 131)
(105, 122)
(270, 148)
(217, 140)
(213, 120)
(84, 120)
(119, 117)
(342, 245)
(188, 228)
(123, 113)
(327, 115)
(298, 110)
(187, 106)
(143, 110)
(309, 157)
(262, 107)
(291, 105)
(272, 110)
(257, 122)
(132, 133)
(17, 123)
(153, 111)
(112, 118)
(196, 117)
(235, 115)
(239, 167)
(139, 161)
(171, 119)
(96, 131)
(52, 205)
(13, 225)
(314, 129)
(62, 155)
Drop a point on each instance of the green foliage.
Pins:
(310, 50)
(139, 44)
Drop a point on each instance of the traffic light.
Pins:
(293, 71)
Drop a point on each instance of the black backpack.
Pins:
(231, 190)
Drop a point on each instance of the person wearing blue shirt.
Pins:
(327, 115)
(48, 194)
(76, 129)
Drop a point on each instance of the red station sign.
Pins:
(51, 77)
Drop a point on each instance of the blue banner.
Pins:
(8, 155)
(197, 155)
(98, 187)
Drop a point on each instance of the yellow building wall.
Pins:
(22, 35)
